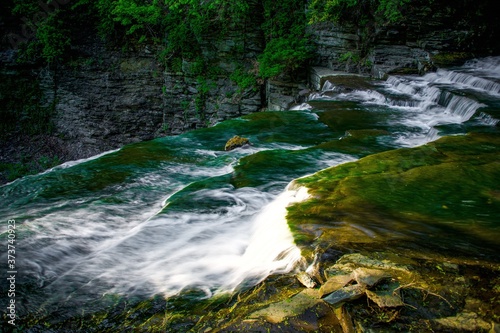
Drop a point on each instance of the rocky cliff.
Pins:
(438, 34)
(104, 98)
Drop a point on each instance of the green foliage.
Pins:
(287, 46)
(245, 79)
(392, 10)
(185, 29)
(203, 88)
(53, 39)
(189, 22)
(99, 11)
(50, 38)
(283, 18)
(136, 16)
(185, 105)
(349, 57)
(283, 55)
(356, 11)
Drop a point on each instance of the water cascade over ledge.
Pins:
(179, 215)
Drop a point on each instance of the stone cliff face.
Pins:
(109, 99)
(105, 99)
(437, 34)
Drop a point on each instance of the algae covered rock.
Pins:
(236, 142)
(279, 311)
(353, 276)
(446, 189)
(335, 283)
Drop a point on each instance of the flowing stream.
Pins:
(179, 213)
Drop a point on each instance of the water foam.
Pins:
(83, 254)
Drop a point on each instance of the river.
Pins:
(180, 213)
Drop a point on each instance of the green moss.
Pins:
(448, 187)
(235, 142)
(446, 59)
(12, 171)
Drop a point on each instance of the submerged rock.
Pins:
(235, 142)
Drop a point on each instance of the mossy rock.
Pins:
(447, 59)
(236, 142)
(428, 195)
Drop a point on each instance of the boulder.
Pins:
(235, 142)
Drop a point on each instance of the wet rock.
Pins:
(386, 298)
(314, 270)
(350, 262)
(277, 312)
(345, 319)
(335, 283)
(368, 276)
(465, 321)
(345, 294)
(306, 280)
(319, 318)
(235, 142)
(320, 75)
(366, 271)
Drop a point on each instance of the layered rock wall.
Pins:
(107, 98)
(437, 34)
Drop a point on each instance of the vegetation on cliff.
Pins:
(185, 29)
(179, 29)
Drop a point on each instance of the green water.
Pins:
(178, 213)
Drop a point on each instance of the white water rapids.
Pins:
(447, 96)
(168, 253)
(181, 214)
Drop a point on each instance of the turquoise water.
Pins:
(177, 213)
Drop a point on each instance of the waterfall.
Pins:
(179, 214)
(448, 96)
(271, 248)
(465, 80)
(462, 107)
(399, 85)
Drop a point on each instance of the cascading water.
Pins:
(179, 213)
(436, 99)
